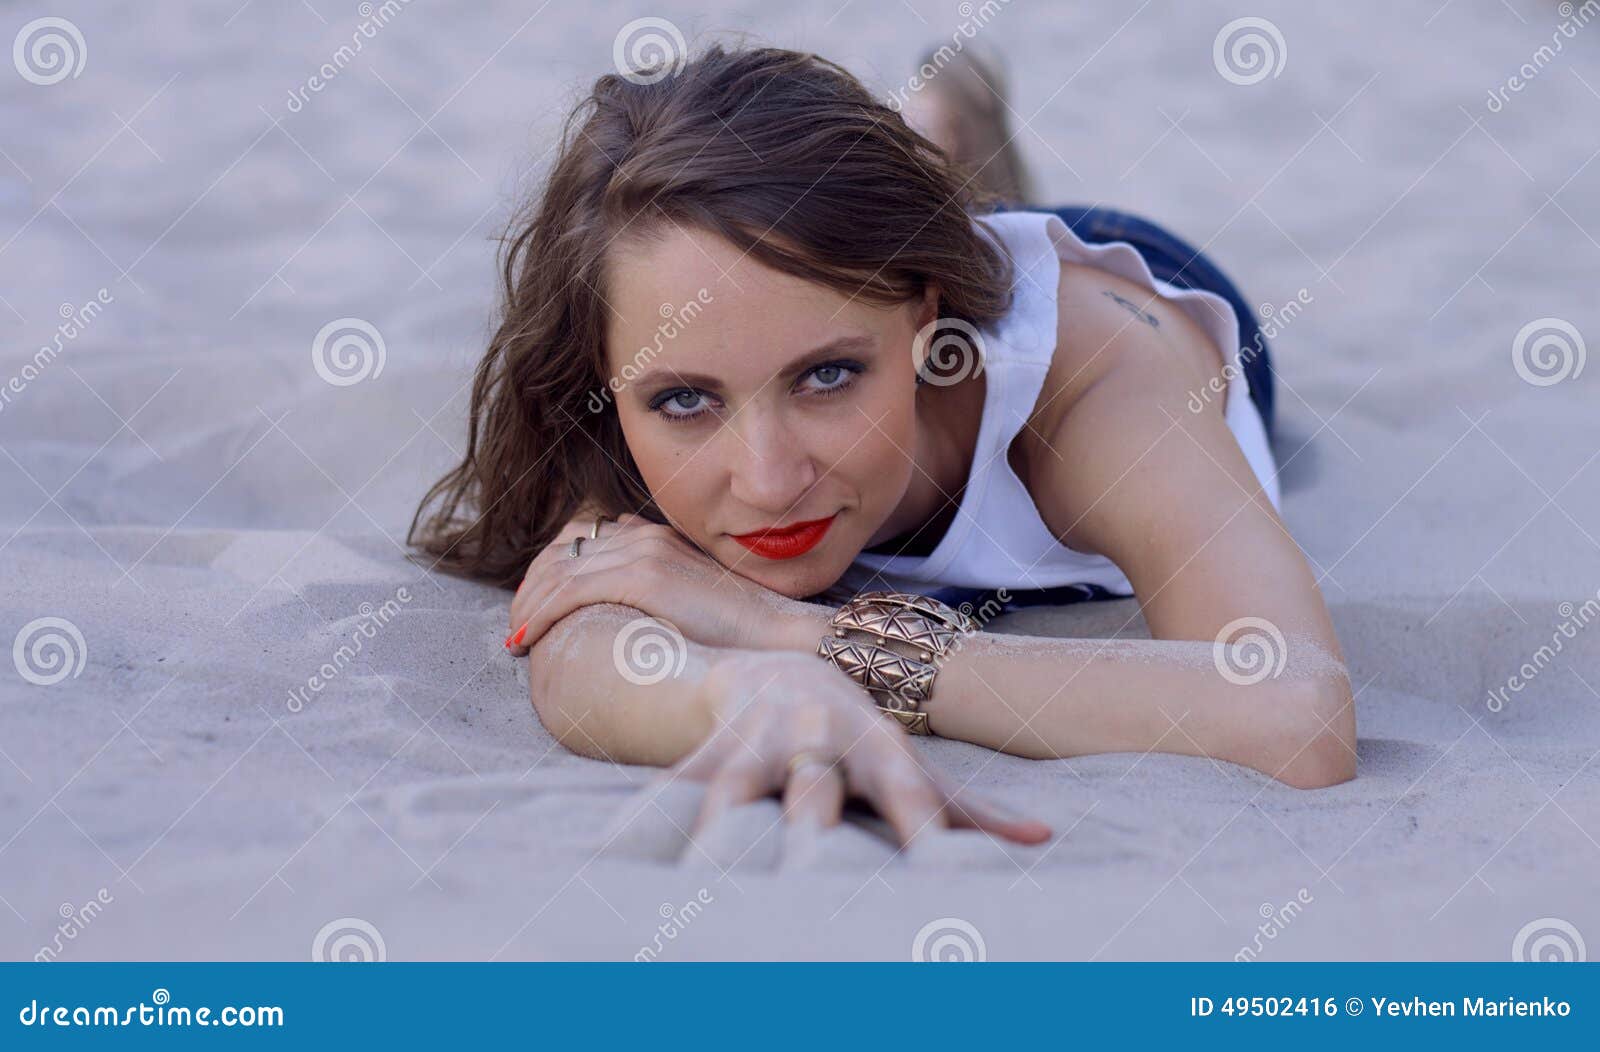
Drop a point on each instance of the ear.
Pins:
(924, 312)
(927, 308)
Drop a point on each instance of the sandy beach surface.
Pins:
(213, 519)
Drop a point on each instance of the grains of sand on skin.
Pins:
(1306, 657)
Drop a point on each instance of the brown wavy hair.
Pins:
(782, 153)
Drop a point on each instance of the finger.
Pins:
(555, 598)
(901, 792)
(592, 556)
(540, 566)
(537, 594)
(814, 795)
(740, 780)
(702, 763)
(629, 521)
(558, 572)
(550, 599)
(967, 810)
(584, 526)
(561, 546)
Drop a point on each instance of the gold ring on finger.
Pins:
(576, 543)
(805, 759)
(594, 533)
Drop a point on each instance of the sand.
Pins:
(217, 521)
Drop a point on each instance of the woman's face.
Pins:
(751, 399)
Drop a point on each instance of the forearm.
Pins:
(1055, 698)
(603, 696)
(1048, 698)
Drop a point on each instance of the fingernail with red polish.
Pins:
(517, 639)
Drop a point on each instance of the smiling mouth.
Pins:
(787, 542)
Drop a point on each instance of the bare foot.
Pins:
(962, 108)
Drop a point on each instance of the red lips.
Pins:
(786, 542)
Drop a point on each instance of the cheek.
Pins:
(877, 447)
(671, 470)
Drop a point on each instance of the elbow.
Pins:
(1325, 763)
(546, 702)
(576, 701)
(1314, 745)
(555, 712)
(551, 704)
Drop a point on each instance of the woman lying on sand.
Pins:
(767, 350)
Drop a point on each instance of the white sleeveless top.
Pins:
(997, 539)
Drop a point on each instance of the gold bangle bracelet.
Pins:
(898, 683)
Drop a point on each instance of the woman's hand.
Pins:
(791, 724)
(638, 563)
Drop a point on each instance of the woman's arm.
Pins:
(1047, 698)
(613, 683)
(1168, 495)
(577, 683)
(1118, 463)
(601, 682)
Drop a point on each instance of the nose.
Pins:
(772, 464)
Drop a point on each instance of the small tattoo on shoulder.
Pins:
(1143, 315)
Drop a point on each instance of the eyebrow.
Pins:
(816, 356)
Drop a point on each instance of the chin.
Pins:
(794, 578)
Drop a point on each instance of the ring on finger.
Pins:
(594, 532)
(807, 759)
(576, 543)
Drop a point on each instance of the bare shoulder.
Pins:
(1112, 436)
(1107, 324)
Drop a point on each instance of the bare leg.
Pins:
(962, 107)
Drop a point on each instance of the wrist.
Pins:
(716, 688)
(726, 685)
(801, 627)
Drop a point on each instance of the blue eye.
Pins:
(834, 376)
(682, 404)
(685, 403)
